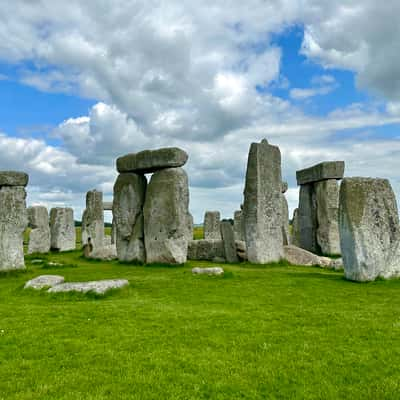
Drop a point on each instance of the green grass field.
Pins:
(259, 332)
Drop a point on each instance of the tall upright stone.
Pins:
(212, 225)
(285, 215)
(166, 212)
(13, 219)
(129, 196)
(62, 229)
(308, 218)
(190, 227)
(228, 239)
(39, 237)
(327, 198)
(262, 210)
(93, 220)
(295, 235)
(238, 225)
(369, 229)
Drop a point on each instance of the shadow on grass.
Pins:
(13, 273)
(50, 265)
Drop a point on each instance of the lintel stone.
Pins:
(321, 172)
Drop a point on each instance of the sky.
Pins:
(82, 83)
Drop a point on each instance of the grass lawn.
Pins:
(273, 332)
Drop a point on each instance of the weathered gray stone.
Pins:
(13, 222)
(62, 229)
(129, 195)
(369, 229)
(228, 239)
(285, 187)
(107, 205)
(212, 225)
(190, 227)
(262, 211)
(297, 256)
(238, 225)
(307, 216)
(148, 161)
(98, 287)
(13, 178)
(107, 252)
(44, 281)
(285, 221)
(320, 172)
(207, 250)
(39, 236)
(241, 250)
(295, 236)
(327, 198)
(208, 271)
(93, 219)
(166, 211)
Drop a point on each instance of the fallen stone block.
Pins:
(44, 281)
(98, 287)
(208, 271)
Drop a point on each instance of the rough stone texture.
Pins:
(285, 221)
(13, 178)
(228, 239)
(307, 217)
(129, 195)
(44, 281)
(206, 250)
(295, 236)
(106, 253)
(262, 211)
(208, 271)
(166, 211)
(297, 256)
(238, 225)
(212, 225)
(241, 250)
(93, 219)
(285, 187)
(369, 229)
(13, 222)
(190, 227)
(327, 198)
(98, 287)
(107, 205)
(62, 229)
(152, 160)
(320, 172)
(39, 237)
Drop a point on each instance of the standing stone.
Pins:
(62, 229)
(190, 227)
(206, 250)
(228, 238)
(13, 222)
(129, 195)
(295, 237)
(327, 198)
(308, 219)
(238, 225)
(369, 229)
(262, 211)
(39, 237)
(212, 228)
(93, 220)
(166, 212)
(285, 221)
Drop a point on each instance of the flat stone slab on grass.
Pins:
(321, 172)
(148, 161)
(44, 281)
(98, 287)
(208, 271)
(13, 178)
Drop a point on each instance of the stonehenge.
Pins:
(262, 209)
(93, 220)
(212, 225)
(238, 225)
(318, 207)
(206, 250)
(369, 229)
(228, 240)
(39, 237)
(152, 221)
(13, 219)
(285, 216)
(62, 229)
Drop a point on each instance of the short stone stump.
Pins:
(208, 271)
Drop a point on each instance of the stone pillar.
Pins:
(13, 219)
(212, 228)
(62, 229)
(295, 236)
(238, 225)
(129, 195)
(262, 210)
(285, 216)
(228, 238)
(318, 207)
(39, 237)
(166, 212)
(93, 220)
(190, 227)
(369, 229)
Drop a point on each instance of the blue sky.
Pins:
(311, 77)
